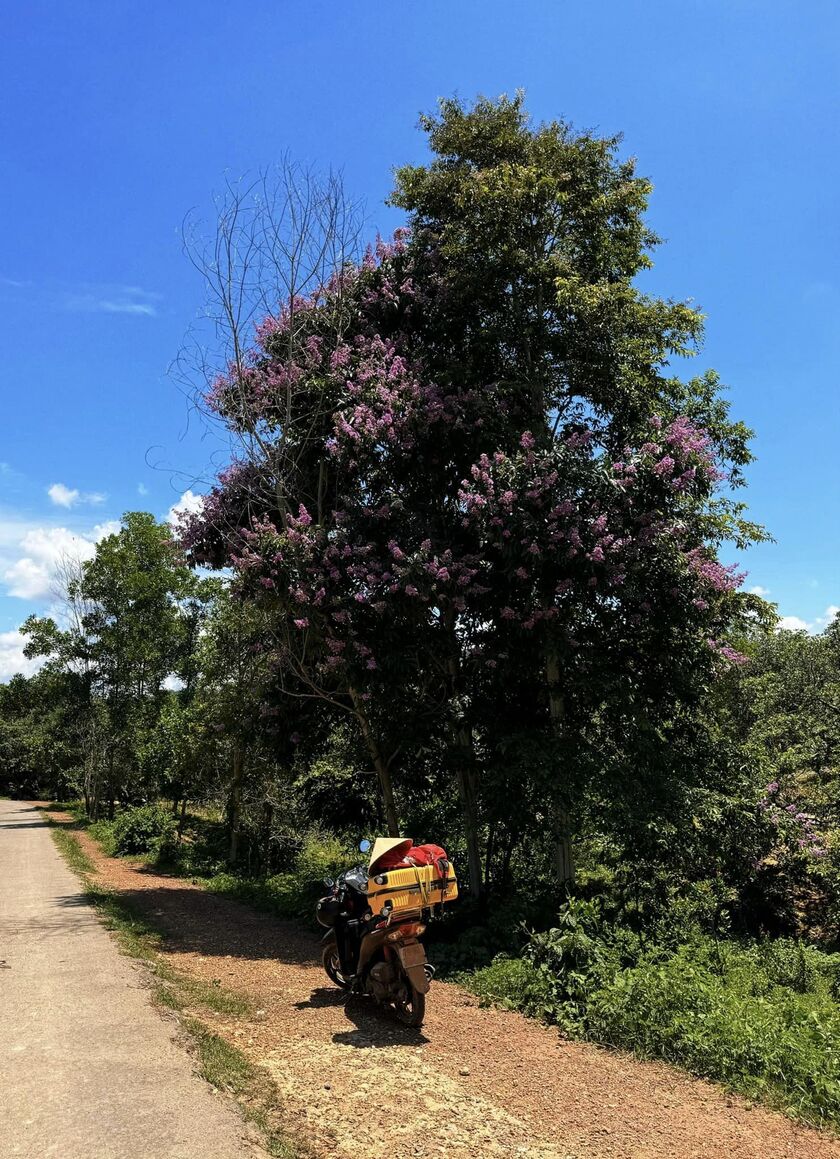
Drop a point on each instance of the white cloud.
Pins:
(794, 624)
(131, 300)
(173, 683)
(188, 504)
(142, 489)
(826, 618)
(13, 527)
(758, 590)
(90, 304)
(12, 659)
(64, 496)
(103, 530)
(819, 624)
(30, 576)
(89, 297)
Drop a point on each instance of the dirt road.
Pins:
(473, 1083)
(88, 1068)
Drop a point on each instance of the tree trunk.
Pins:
(111, 791)
(563, 862)
(489, 854)
(379, 763)
(468, 792)
(465, 765)
(182, 818)
(91, 767)
(509, 848)
(564, 865)
(235, 802)
(268, 816)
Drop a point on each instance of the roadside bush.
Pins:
(103, 833)
(144, 829)
(321, 856)
(515, 984)
(737, 1027)
(760, 1017)
(292, 894)
(472, 934)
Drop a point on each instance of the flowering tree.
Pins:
(467, 465)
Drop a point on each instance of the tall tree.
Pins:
(128, 635)
(474, 468)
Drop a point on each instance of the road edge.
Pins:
(176, 995)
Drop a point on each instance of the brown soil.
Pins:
(473, 1083)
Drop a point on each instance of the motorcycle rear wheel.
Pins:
(411, 1010)
(332, 965)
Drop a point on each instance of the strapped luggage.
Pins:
(414, 878)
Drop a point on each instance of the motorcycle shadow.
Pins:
(372, 1026)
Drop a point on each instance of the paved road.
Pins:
(88, 1068)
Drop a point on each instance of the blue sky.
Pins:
(119, 117)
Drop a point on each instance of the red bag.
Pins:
(394, 859)
(416, 855)
(426, 855)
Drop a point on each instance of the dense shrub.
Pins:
(144, 829)
(761, 1017)
(515, 984)
(292, 894)
(103, 833)
(736, 1025)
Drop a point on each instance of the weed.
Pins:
(759, 1018)
(73, 853)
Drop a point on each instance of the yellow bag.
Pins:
(412, 889)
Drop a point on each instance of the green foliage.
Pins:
(537, 699)
(40, 735)
(729, 1021)
(515, 984)
(760, 1017)
(103, 832)
(291, 894)
(130, 617)
(144, 829)
(321, 856)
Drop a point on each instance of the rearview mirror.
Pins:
(365, 846)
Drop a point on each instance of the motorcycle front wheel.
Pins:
(410, 1007)
(332, 965)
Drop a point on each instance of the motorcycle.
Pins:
(379, 955)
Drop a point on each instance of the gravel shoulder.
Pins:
(88, 1068)
(473, 1082)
